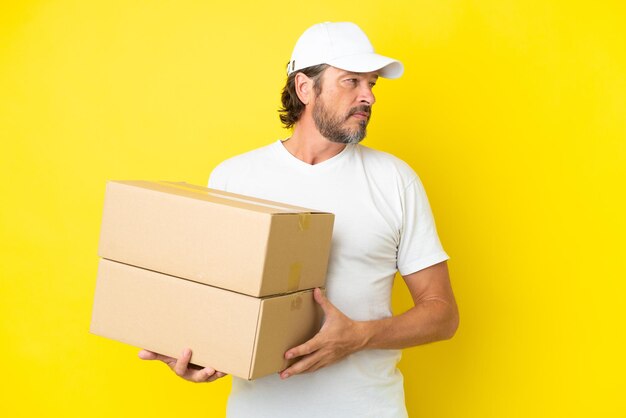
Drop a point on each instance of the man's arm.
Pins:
(433, 317)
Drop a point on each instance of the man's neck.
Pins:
(310, 146)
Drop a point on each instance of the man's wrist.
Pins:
(365, 331)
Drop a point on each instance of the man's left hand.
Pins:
(339, 337)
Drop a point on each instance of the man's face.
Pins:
(344, 107)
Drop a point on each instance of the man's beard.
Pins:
(331, 128)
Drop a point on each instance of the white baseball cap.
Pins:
(342, 45)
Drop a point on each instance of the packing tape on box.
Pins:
(296, 303)
(293, 281)
(304, 224)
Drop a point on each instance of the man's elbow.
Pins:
(451, 324)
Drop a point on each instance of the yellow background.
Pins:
(512, 112)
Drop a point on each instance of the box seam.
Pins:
(255, 340)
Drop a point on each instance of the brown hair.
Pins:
(292, 106)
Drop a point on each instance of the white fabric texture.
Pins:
(383, 224)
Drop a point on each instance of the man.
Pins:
(383, 224)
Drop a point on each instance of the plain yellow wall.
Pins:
(512, 112)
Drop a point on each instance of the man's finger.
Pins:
(147, 355)
(305, 348)
(308, 363)
(216, 376)
(180, 367)
(205, 375)
(151, 355)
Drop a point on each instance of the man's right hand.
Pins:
(182, 368)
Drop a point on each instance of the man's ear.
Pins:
(304, 88)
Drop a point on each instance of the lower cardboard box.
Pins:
(234, 333)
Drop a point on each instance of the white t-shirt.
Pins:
(383, 224)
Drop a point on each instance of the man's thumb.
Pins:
(321, 299)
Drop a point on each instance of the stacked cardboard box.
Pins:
(227, 275)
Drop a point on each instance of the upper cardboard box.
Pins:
(247, 245)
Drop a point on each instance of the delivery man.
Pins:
(383, 225)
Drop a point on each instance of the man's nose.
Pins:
(366, 96)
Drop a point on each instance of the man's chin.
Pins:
(347, 139)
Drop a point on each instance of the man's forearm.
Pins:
(428, 321)
(433, 317)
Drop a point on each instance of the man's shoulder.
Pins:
(245, 159)
(240, 164)
(248, 156)
(385, 162)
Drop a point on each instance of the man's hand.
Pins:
(339, 337)
(182, 368)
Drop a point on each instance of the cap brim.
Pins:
(366, 63)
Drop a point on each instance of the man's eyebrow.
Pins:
(360, 74)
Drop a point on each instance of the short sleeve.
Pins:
(419, 246)
(217, 178)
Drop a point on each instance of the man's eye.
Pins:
(372, 85)
(352, 80)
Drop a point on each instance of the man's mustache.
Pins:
(361, 109)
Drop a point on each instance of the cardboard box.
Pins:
(237, 334)
(234, 242)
